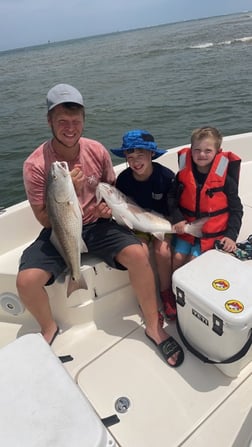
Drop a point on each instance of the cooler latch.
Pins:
(180, 296)
(217, 325)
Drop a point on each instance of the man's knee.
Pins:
(31, 277)
(132, 254)
(21, 280)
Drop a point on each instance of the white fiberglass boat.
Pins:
(113, 370)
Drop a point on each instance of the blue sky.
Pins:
(32, 22)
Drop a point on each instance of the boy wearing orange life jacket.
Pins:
(208, 187)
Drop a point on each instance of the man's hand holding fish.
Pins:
(102, 211)
(77, 178)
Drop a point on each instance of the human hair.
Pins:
(72, 106)
(207, 132)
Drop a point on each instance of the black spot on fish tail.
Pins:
(73, 284)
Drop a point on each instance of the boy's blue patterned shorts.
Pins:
(184, 247)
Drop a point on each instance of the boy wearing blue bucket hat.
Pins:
(148, 183)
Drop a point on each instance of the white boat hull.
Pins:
(102, 329)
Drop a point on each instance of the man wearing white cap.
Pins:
(89, 163)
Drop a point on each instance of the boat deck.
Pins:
(112, 358)
(176, 407)
(102, 329)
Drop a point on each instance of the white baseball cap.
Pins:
(61, 93)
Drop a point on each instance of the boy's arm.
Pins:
(173, 195)
(235, 209)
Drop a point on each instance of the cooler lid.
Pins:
(40, 405)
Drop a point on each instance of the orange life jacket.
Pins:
(209, 201)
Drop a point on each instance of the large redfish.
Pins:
(65, 216)
(129, 214)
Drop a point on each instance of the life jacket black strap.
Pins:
(198, 214)
(212, 235)
(211, 191)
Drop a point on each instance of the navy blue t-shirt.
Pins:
(150, 194)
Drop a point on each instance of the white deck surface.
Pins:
(168, 406)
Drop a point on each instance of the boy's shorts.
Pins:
(185, 248)
(104, 239)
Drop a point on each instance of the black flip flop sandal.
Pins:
(168, 348)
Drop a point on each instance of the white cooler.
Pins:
(214, 305)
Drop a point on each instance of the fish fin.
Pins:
(73, 284)
(55, 242)
(195, 228)
(81, 210)
(98, 195)
(127, 222)
(71, 204)
(159, 236)
(136, 210)
(83, 248)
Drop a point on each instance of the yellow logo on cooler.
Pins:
(234, 306)
(220, 284)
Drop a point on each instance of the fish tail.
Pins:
(74, 284)
(195, 228)
(159, 236)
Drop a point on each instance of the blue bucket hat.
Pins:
(138, 139)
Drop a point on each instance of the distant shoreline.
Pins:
(91, 36)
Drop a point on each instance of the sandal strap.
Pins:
(169, 347)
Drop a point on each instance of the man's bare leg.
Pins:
(30, 285)
(142, 280)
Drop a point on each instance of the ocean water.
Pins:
(167, 79)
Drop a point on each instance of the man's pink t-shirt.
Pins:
(96, 166)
